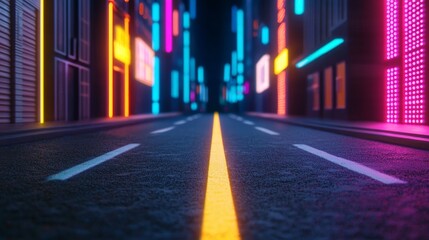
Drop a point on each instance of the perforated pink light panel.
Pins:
(392, 29)
(414, 62)
(392, 94)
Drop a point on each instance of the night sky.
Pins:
(212, 43)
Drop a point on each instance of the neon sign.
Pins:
(144, 62)
(263, 74)
(121, 45)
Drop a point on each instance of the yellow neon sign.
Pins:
(281, 62)
(42, 63)
(122, 45)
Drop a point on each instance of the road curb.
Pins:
(37, 134)
(407, 140)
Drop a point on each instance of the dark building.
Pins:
(347, 81)
(19, 73)
(67, 60)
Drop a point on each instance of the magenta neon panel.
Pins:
(392, 95)
(414, 61)
(169, 26)
(392, 29)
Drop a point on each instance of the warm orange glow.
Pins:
(281, 37)
(281, 15)
(281, 93)
(280, 4)
(127, 71)
(219, 219)
(141, 9)
(176, 23)
(110, 52)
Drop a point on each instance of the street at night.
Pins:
(157, 189)
(208, 119)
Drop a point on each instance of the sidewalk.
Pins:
(415, 136)
(26, 132)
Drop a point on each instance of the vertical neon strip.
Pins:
(186, 20)
(156, 86)
(155, 27)
(281, 91)
(186, 80)
(176, 23)
(127, 74)
(392, 29)
(174, 84)
(240, 35)
(234, 63)
(281, 45)
(414, 61)
(42, 63)
(155, 36)
(392, 94)
(227, 72)
(299, 7)
(168, 26)
(110, 53)
(155, 12)
(200, 74)
(265, 35)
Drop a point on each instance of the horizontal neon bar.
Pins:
(320, 52)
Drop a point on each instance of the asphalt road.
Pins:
(287, 182)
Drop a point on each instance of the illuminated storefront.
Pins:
(119, 56)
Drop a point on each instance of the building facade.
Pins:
(19, 87)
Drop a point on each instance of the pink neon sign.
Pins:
(168, 26)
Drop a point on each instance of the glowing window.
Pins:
(341, 85)
(328, 88)
(144, 62)
(263, 74)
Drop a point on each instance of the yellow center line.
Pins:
(219, 219)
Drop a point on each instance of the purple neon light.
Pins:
(168, 26)
(414, 61)
(392, 76)
(392, 29)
